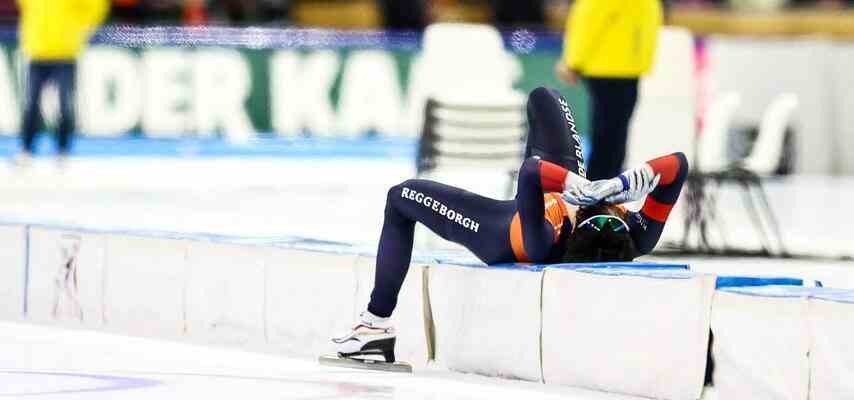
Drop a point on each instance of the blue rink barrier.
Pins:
(748, 281)
(545, 323)
(291, 147)
(464, 258)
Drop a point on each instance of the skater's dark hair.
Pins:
(598, 246)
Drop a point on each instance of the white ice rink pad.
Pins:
(760, 344)
(13, 269)
(66, 279)
(145, 282)
(831, 324)
(309, 299)
(487, 321)
(778, 342)
(635, 331)
(222, 308)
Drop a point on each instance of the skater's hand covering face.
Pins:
(631, 185)
(636, 183)
(588, 193)
(602, 189)
(575, 191)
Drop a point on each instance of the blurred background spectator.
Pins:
(405, 14)
(52, 34)
(251, 12)
(609, 46)
(8, 11)
(129, 11)
(513, 13)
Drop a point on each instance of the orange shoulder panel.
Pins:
(555, 211)
(516, 239)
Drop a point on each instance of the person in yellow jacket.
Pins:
(609, 44)
(51, 34)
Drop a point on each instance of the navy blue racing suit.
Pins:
(526, 228)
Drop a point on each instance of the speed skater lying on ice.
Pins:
(557, 216)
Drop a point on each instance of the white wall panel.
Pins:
(638, 333)
(145, 285)
(487, 320)
(13, 270)
(831, 322)
(66, 276)
(760, 344)
(226, 293)
(310, 299)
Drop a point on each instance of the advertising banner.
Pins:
(219, 82)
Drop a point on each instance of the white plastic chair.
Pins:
(714, 170)
(712, 144)
(466, 57)
(475, 120)
(461, 63)
(767, 151)
(471, 138)
(473, 147)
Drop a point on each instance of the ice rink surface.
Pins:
(339, 200)
(343, 200)
(39, 362)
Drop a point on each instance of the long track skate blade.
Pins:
(334, 361)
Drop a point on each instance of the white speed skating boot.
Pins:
(372, 338)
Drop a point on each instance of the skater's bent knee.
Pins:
(539, 92)
(400, 190)
(542, 95)
(407, 189)
(530, 168)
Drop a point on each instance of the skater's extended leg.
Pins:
(478, 223)
(552, 131)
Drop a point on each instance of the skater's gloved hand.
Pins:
(575, 190)
(634, 184)
(598, 191)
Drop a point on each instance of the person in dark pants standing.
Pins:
(405, 15)
(610, 131)
(52, 33)
(515, 13)
(609, 44)
(39, 75)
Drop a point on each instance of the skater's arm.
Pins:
(535, 178)
(647, 224)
